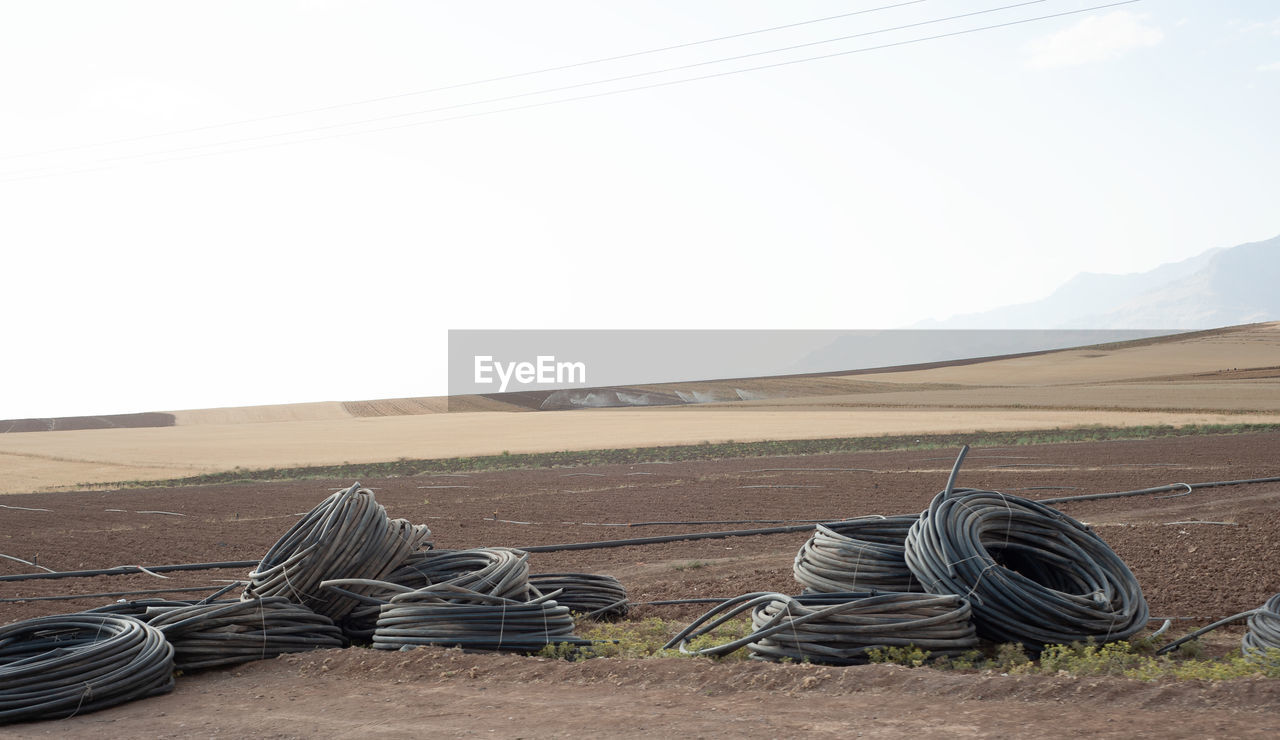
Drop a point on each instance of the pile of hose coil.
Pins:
(838, 629)
(585, 593)
(60, 666)
(862, 555)
(453, 616)
(494, 571)
(347, 536)
(1264, 629)
(226, 633)
(1034, 575)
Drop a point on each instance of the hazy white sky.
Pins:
(322, 255)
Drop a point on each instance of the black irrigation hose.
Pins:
(456, 617)
(221, 633)
(585, 593)
(861, 555)
(60, 666)
(838, 629)
(138, 609)
(112, 594)
(601, 544)
(1263, 633)
(1264, 628)
(1159, 489)
(348, 535)
(125, 570)
(495, 571)
(1034, 575)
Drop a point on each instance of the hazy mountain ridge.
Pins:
(1221, 287)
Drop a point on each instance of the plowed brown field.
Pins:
(1227, 563)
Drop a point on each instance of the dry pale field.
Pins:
(1224, 377)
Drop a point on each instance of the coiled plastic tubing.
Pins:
(348, 535)
(1034, 575)
(586, 593)
(454, 616)
(496, 571)
(60, 666)
(840, 628)
(226, 633)
(1264, 628)
(860, 555)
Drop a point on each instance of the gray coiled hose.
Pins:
(64, 665)
(585, 593)
(1034, 575)
(861, 555)
(452, 616)
(207, 635)
(838, 629)
(1264, 628)
(348, 535)
(496, 571)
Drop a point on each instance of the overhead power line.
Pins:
(606, 93)
(461, 85)
(575, 86)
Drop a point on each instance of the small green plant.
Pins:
(1009, 656)
(691, 565)
(1110, 659)
(1191, 649)
(907, 655)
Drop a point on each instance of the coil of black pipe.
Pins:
(860, 555)
(1034, 575)
(453, 616)
(227, 633)
(584, 593)
(495, 571)
(838, 628)
(60, 666)
(348, 535)
(1264, 629)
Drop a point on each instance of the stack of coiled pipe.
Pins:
(1264, 629)
(1034, 575)
(838, 629)
(226, 633)
(348, 535)
(493, 571)
(585, 593)
(862, 555)
(69, 664)
(449, 615)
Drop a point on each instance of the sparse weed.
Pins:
(907, 655)
(691, 565)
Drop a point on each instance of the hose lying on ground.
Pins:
(1264, 628)
(838, 629)
(1263, 633)
(496, 571)
(138, 608)
(63, 665)
(452, 616)
(585, 593)
(348, 535)
(206, 635)
(861, 555)
(1034, 575)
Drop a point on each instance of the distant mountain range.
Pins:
(1222, 287)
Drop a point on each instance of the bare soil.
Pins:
(1228, 563)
